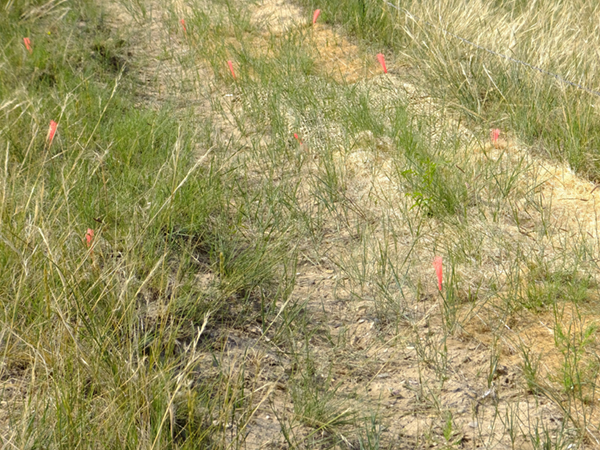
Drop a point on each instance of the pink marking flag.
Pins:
(437, 264)
(494, 135)
(230, 64)
(52, 131)
(27, 43)
(89, 237)
(381, 60)
(297, 138)
(182, 22)
(316, 15)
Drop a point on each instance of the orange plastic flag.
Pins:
(52, 131)
(182, 21)
(89, 237)
(381, 60)
(297, 138)
(437, 264)
(494, 135)
(27, 43)
(230, 64)
(316, 15)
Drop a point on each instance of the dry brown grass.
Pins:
(503, 357)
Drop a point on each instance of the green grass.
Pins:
(554, 118)
(81, 326)
(242, 288)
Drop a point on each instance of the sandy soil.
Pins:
(417, 380)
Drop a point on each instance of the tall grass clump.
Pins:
(119, 245)
(555, 118)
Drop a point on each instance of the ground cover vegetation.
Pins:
(553, 118)
(228, 240)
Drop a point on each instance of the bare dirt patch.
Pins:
(479, 376)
